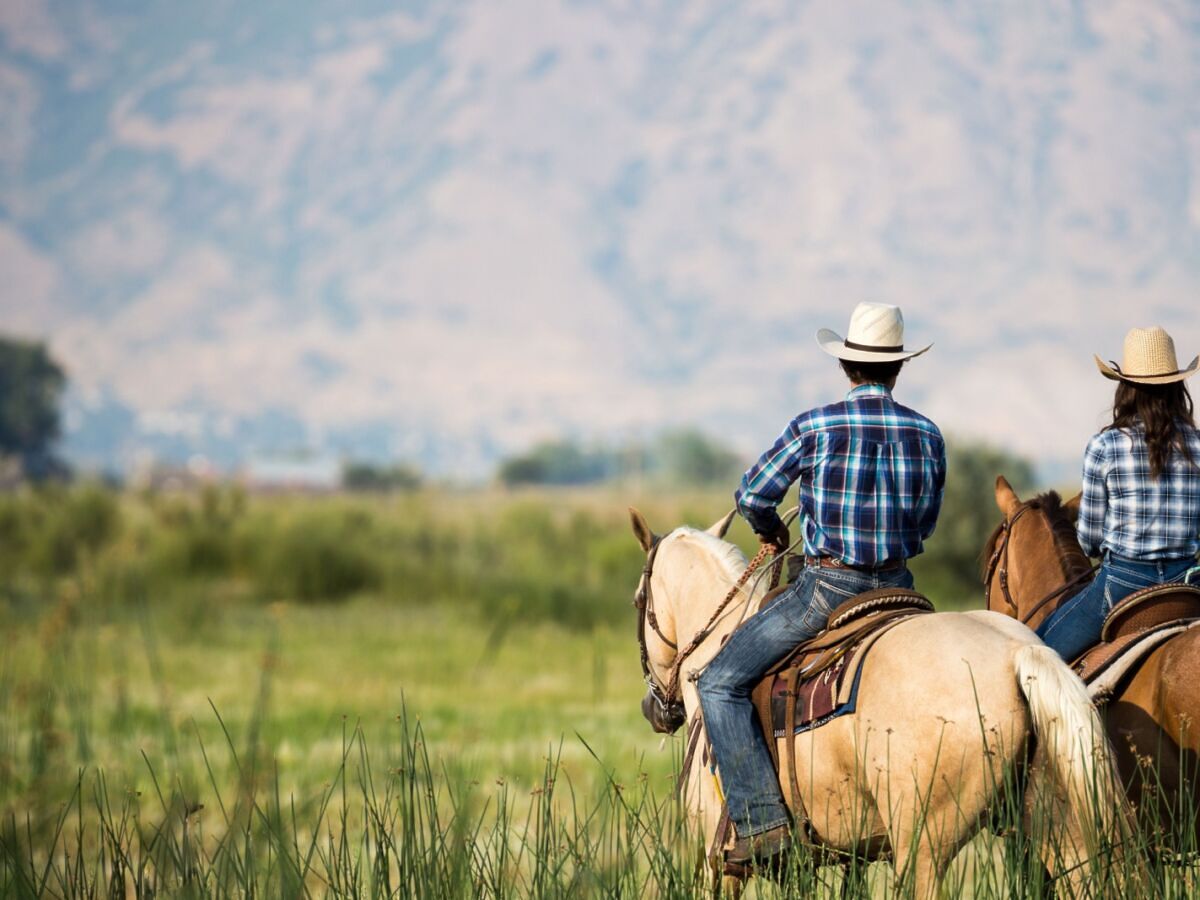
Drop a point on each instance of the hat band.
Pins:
(1146, 375)
(898, 348)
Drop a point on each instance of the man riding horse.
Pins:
(871, 475)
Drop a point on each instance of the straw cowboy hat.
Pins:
(1149, 359)
(876, 334)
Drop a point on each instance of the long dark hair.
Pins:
(1161, 410)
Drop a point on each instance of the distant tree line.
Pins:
(680, 457)
(365, 477)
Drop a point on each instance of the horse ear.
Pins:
(721, 526)
(641, 530)
(1006, 497)
(1072, 506)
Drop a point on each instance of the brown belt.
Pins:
(832, 562)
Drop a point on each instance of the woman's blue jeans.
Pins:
(1076, 625)
(747, 774)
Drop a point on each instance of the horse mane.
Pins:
(732, 560)
(1061, 528)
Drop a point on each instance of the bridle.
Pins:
(644, 604)
(669, 695)
(998, 566)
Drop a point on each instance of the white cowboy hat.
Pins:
(876, 334)
(1149, 358)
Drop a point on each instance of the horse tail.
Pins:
(1072, 742)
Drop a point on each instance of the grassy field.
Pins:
(215, 694)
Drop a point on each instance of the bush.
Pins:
(198, 535)
(320, 557)
(62, 526)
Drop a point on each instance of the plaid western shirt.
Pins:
(1126, 512)
(871, 473)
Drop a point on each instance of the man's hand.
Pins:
(780, 539)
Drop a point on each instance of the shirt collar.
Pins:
(868, 390)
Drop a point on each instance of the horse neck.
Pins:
(691, 580)
(1037, 566)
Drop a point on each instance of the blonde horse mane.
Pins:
(728, 555)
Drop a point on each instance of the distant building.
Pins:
(318, 475)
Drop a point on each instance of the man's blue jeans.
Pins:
(747, 773)
(1076, 624)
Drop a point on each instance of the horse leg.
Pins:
(923, 837)
(1026, 874)
(920, 867)
(853, 881)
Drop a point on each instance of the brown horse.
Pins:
(1032, 562)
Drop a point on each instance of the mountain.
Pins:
(445, 232)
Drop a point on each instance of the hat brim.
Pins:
(833, 344)
(1114, 373)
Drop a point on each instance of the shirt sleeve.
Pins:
(765, 485)
(929, 520)
(1092, 505)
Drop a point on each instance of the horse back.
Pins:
(923, 689)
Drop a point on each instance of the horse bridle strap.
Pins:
(998, 565)
(641, 601)
(1078, 579)
(644, 602)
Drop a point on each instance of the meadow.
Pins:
(431, 693)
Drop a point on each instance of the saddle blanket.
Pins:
(832, 689)
(817, 700)
(1105, 667)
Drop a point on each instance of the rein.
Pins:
(998, 565)
(644, 602)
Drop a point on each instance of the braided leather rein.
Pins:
(669, 694)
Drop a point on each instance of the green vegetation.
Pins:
(434, 692)
(520, 558)
(527, 556)
(222, 750)
(680, 458)
(368, 477)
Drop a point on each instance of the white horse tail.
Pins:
(1076, 751)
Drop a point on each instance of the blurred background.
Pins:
(336, 337)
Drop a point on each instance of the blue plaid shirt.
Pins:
(1124, 511)
(871, 473)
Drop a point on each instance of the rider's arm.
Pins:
(1090, 527)
(764, 486)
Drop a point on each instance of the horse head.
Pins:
(1032, 558)
(662, 619)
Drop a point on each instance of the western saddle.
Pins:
(818, 680)
(1133, 625)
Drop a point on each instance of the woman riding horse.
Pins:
(1140, 508)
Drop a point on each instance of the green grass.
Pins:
(179, 715)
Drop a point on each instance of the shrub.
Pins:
(319, 557)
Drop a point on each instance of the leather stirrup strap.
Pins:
(716, 853)
(789, 737)
(694, 729)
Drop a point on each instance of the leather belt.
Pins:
(832, 562)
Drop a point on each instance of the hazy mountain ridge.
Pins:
(447, 233)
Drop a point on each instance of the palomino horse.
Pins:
(1031, 563)
(948, 705)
